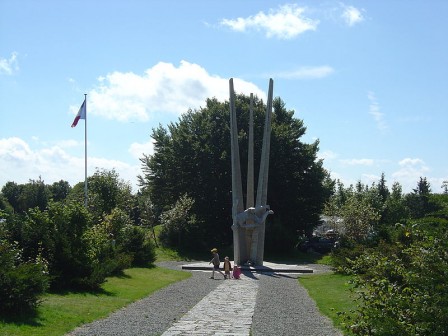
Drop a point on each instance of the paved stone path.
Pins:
(219, 310)
(259, 303)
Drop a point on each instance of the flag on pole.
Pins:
(81, 114)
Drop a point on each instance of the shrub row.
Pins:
(63, 248)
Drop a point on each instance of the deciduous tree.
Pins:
(193, 156)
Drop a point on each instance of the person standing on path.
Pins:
(236, 272)
(215, 261)
(227, 267)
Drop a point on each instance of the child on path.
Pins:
(236, 272)
(216, 263)
(227, 267)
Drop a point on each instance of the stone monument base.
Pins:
(268, 267)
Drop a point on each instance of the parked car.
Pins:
(318, 244)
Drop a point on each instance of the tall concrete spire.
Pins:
(249, 225)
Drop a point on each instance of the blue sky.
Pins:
(369, 79)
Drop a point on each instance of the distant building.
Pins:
(329, 225)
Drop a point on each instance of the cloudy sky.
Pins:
(369, 79)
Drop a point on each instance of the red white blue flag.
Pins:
(81, 114)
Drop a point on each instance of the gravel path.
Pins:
(153, 314)
(283, 307)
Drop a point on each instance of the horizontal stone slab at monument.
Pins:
(267, 267)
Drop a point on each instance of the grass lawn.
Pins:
(167, 254)
(331, 292)
(58, 314)
(297, 257)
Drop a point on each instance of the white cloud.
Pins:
(336, 176)
(410, 171)
(19, 162)
(62, 143)
(327, 155)
(126, 172)
(411, 162)
(346, 181)
(137, 149)
(437, 184)
(68, 143)
(163, 88)
(307, 73)
(14, 149)
(374, 110)
(355, 162)
(9, 66)
(352, 15)
(369, 179)
(406, 172)
(286, 22)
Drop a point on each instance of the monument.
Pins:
(249, 222)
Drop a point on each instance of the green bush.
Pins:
(180, 228)
(344, 258)
(137, 243)
(37, 235)
(128, 239)
(404, 290)
(21, 283)
(100, 254)
(70, 260)
(98, 271)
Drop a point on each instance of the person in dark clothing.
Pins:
(215, 261)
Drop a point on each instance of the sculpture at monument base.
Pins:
(253, 217)
(249, 224)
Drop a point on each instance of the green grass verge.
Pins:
(297, 257)
(171, 254)
(168, 254)
(60, 313)
(331, 292)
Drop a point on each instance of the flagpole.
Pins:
(85, 152)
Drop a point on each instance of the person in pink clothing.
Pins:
(236, 272)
